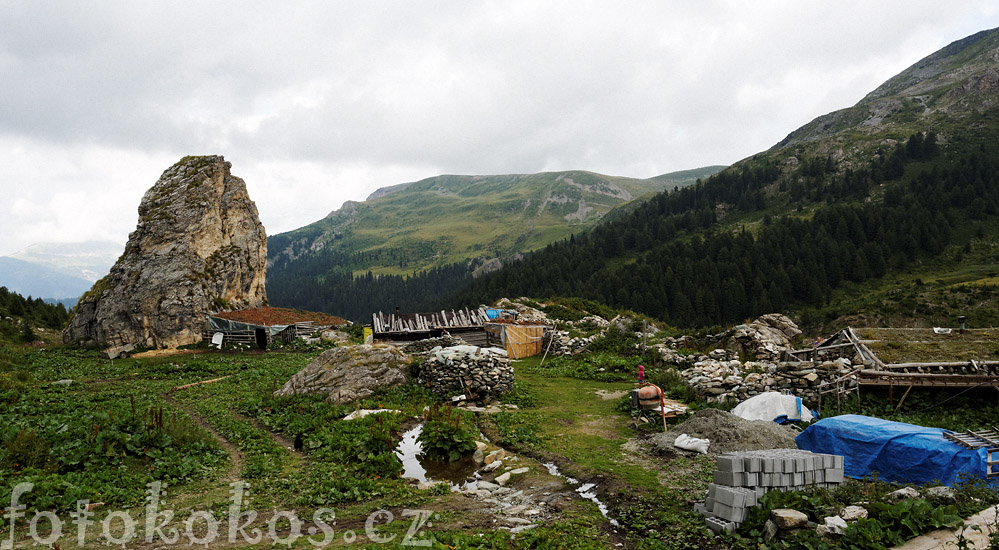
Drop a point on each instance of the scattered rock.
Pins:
(942, 493)
(478, 457)
(770, 530)
(487, 486)
(786, 518)
(348, 373)
(503, 479)
(903, 493)
(853, 513)
(495, 455)
(365, 412)
(834, 525)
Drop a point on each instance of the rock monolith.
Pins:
(198, 248)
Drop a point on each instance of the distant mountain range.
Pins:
(484, 220)
(58, 271)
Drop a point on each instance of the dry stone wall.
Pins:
(474, 372)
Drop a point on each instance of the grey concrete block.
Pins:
(730, 513)
(712, 489)
(834, 475)
(732, 479)
(727, 463)
(703, 510)
(752, 464)
(731, 496)
(718, 526)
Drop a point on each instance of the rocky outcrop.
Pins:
(198, 248)
(349, 373)
(768, 337)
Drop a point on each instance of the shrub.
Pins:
(443, 434)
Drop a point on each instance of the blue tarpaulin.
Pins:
(898, 452)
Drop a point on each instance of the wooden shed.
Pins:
(409, 327)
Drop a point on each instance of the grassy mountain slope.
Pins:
(949, 92)
(446, 219)
(882, 211)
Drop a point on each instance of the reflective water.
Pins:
(415, 465)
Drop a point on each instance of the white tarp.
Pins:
(771, 406)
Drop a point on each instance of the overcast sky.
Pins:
(315, 103)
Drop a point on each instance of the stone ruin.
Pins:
(198, 248)
(474, 372)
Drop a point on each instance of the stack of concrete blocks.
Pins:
(742, 478)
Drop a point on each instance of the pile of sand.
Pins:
(727, 432)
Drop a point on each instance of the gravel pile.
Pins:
(728, 433)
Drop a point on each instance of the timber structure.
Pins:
(871, 371)
(407, 327)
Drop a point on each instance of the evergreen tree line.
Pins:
(669, 259)
(34, 310)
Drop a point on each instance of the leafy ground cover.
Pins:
(120, 425)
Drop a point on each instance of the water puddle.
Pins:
(421, 468)
(586, 491)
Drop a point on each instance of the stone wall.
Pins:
(474, 372)
(720, 376)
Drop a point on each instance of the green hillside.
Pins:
(447, 219)
(882, 212)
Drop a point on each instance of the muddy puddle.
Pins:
(416, 465)
(585, 490)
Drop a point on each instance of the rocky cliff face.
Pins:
(199, 247)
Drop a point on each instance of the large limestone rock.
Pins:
(199, 248)
(348, 373)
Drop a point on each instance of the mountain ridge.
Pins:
(449, 217)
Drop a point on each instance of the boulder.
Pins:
(853, 513)
(902, 494)
(786, 518)
(348, 373)
(198, 248)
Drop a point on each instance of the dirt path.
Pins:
(235, 455)
(281, 440)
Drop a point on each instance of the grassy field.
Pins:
(81, 428)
